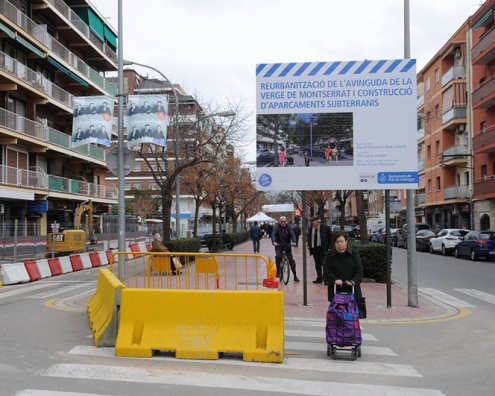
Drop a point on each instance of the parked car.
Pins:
(383, 235)
(476, 244)
(201, 232)
(446, 240)
(394, 236)
(376, 234)
(423, 238)
(262, 153)
(402, 240)
(351, 233)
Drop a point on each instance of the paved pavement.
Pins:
(315, 304)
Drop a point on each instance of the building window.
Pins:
(127, 186)
(437, 147)
(483, 127)
(152, 186)
(427, 84)
(483, 172)
(466, 178)
(437, 112)
(136, 185)
(437, 75)
(428, 151)
(439, 184)
(429, 185)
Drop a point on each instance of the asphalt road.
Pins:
(46, 347)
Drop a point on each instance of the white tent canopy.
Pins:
(260, 217)
(279, 208)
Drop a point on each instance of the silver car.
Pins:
(446, 240)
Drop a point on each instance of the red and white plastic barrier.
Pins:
(10, 274)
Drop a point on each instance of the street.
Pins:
(47, 346)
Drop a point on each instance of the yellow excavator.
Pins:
(70, 241)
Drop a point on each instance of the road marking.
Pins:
(313, 346)
(38, 392)
(65, 289)
(478, 294)
(325, 364)
(446, 298)
(320, 334)
(224, 381)
(26, 289)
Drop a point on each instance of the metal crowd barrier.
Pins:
(199, 271)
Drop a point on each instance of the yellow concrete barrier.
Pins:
(199, 324)
(102, 308)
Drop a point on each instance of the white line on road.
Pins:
(213, 380)
(478, 294)
(38, 392)
(62, 290)
(446, 298)
(313, 346)
(26, 289)
(320, 334)
(326, 364)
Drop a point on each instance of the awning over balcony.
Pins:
(7, 30)
(58, 65)
(484, 19)
(79, 80)
(29, 46)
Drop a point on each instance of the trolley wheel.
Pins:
(354, 353)
(359, 351)
(332, 351)
(329, 350)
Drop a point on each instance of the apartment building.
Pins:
(482, 29)
(444, 148)
(50, 52)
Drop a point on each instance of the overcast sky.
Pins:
(211, 47)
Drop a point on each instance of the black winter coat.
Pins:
(345, 266)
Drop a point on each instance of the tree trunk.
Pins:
(166, 215)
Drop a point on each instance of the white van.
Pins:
(374, 224)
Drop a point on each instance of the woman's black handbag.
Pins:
(361, 303)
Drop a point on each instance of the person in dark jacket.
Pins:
(255, 235)
(297, 233)
(282, 238)
(342, 267)
(319, 241)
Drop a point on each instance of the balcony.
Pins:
(44, 134)
(456, 112)
(455, 155)
(484, 141)
(484, 94)
(483, 51)
(35, 80)
(421, 165)
(483, 187)
(420, 101)
(453, 73)
(420, 198)
(456, 192)
(42, 36)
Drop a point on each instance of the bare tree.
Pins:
(199, 142)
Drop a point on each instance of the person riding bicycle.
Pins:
(282, 238)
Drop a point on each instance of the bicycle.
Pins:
(284, 270)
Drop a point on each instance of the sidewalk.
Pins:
(375, 293)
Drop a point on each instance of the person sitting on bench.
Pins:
(227, 240)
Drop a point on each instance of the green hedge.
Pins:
(237, 238)
(183, 245)
(374, 260)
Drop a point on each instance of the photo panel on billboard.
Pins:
(336, 125)
(147, 119)
(92, 120)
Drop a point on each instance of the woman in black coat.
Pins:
(342, 267)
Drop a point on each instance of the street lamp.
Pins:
(177, 141)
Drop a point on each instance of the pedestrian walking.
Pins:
(255, 235)
(319, 241)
